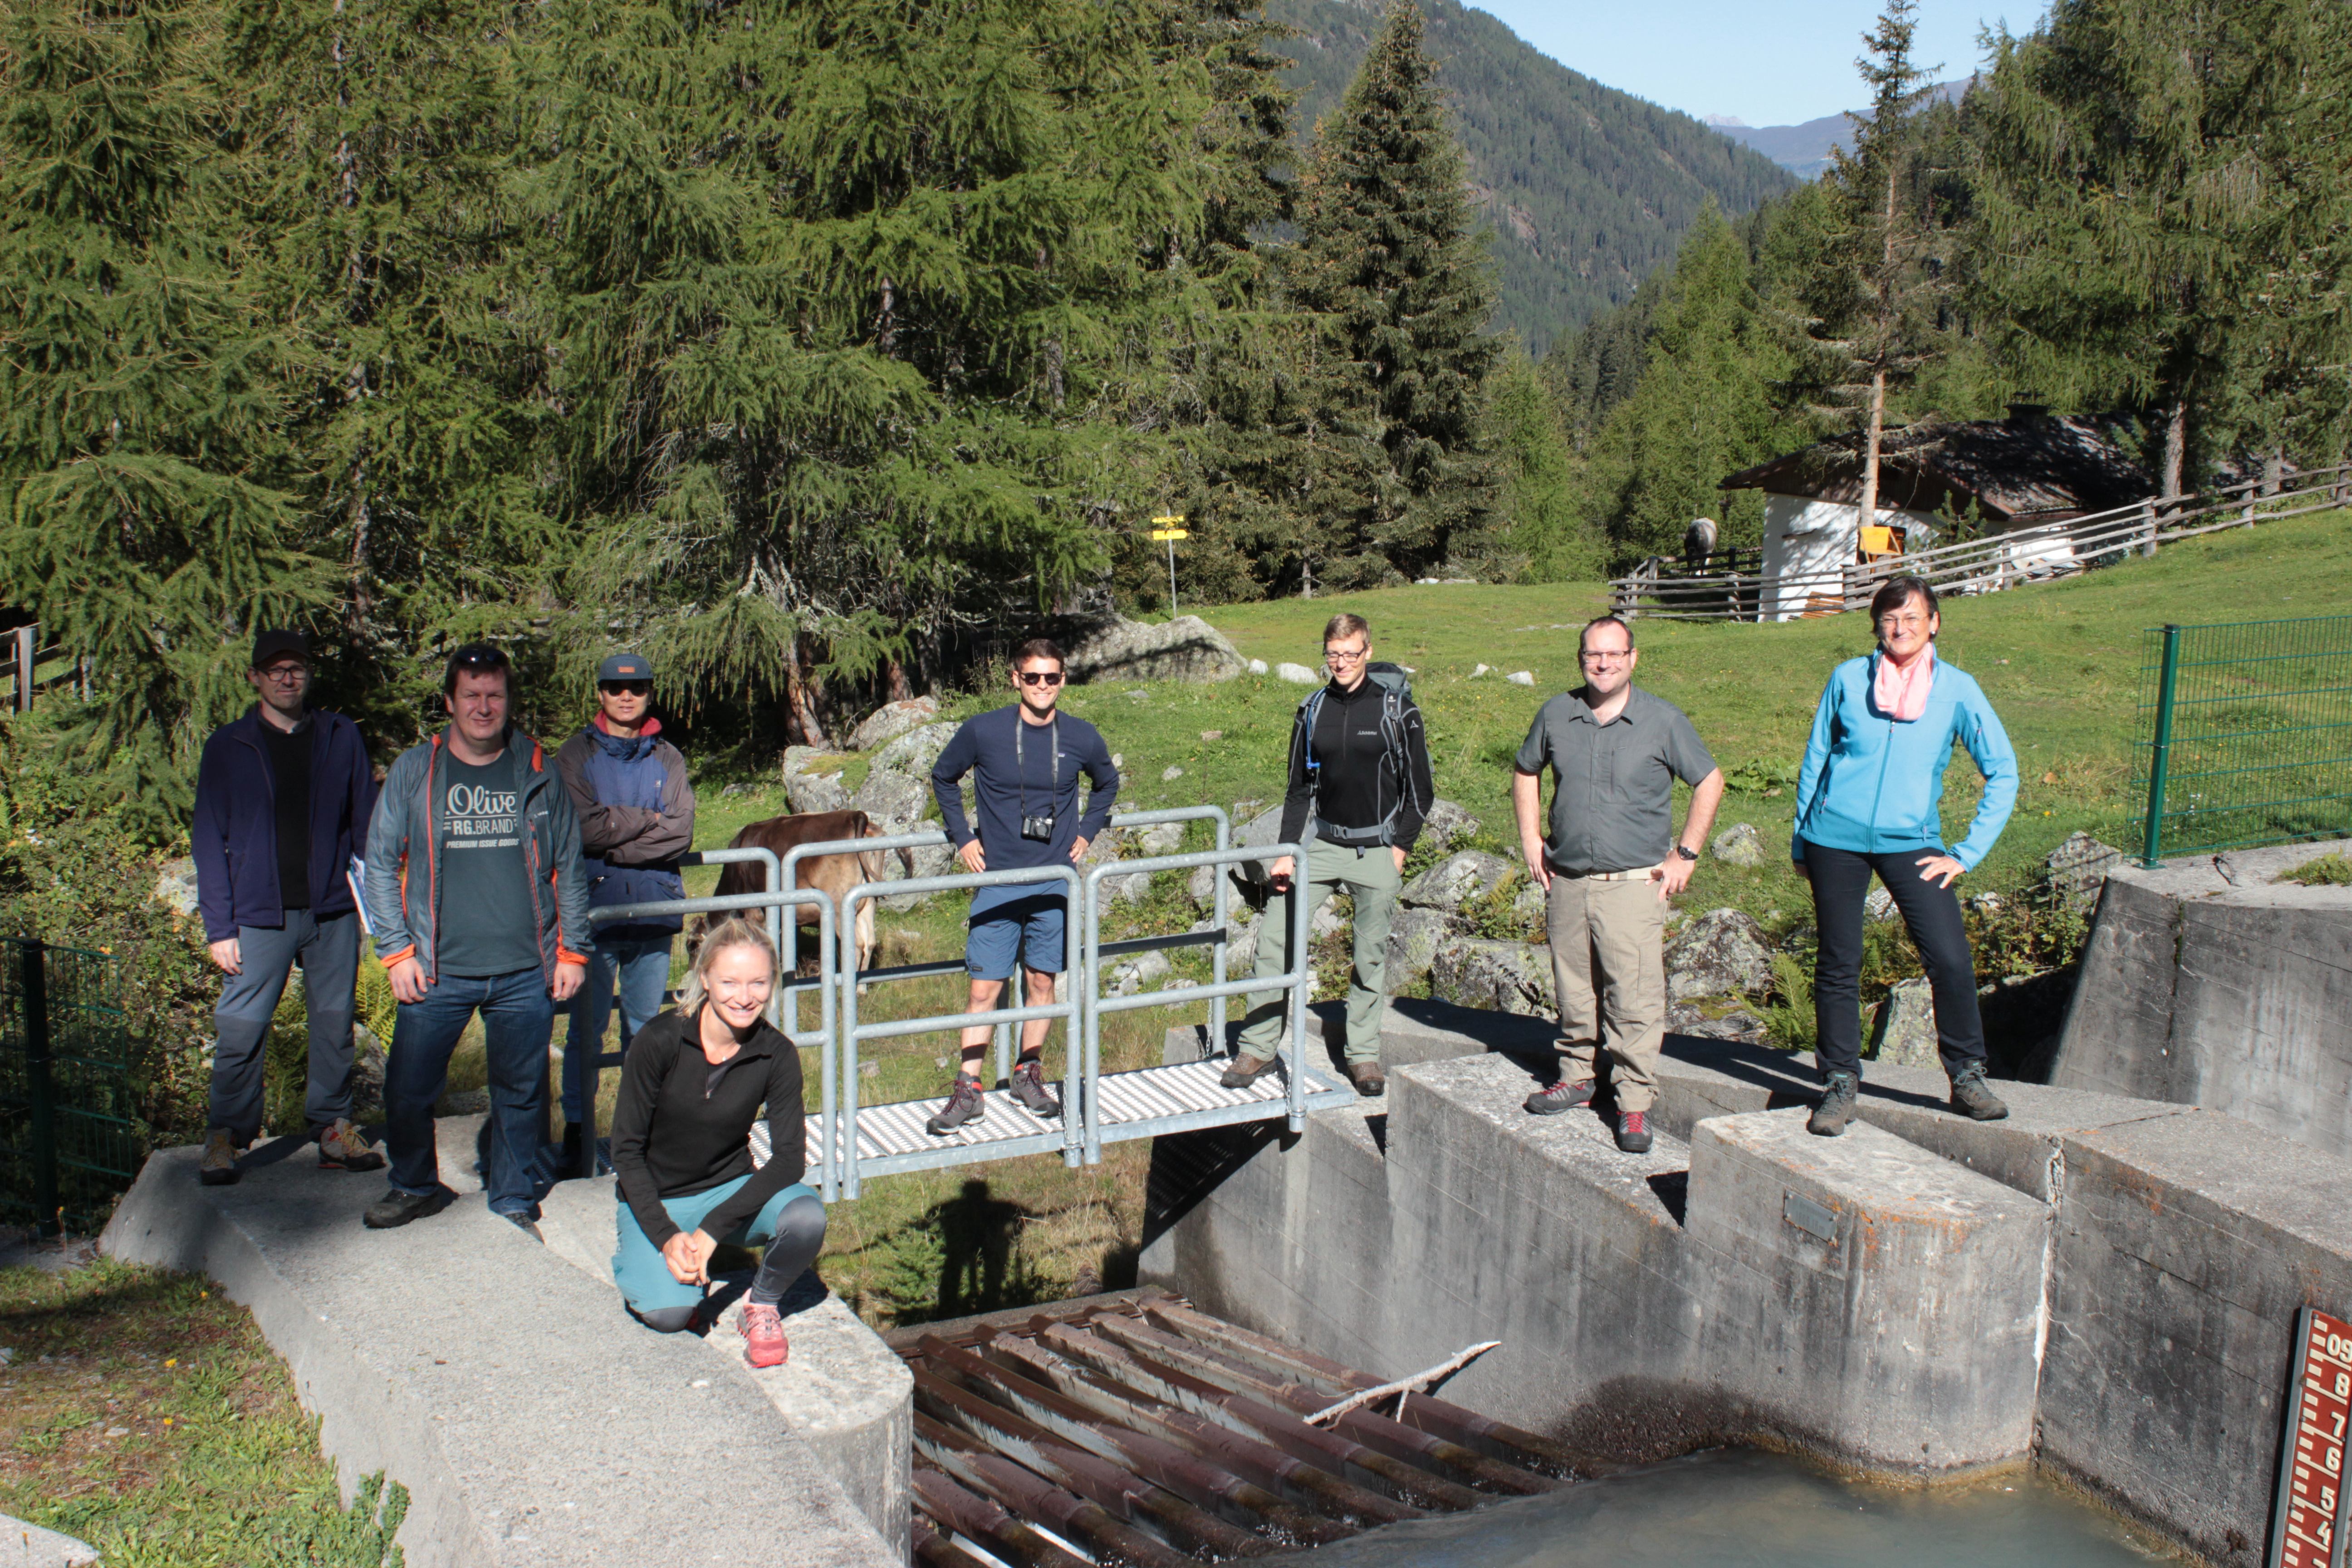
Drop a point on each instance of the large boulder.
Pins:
(892, 719)
(1455, 880)
(1903, 1032)
(1414, 936)
(1500, 976)
(1446, 825)
(813, 780)
(1185, 649)
(894, 801)
(914, 753)
(1739, 845)
(2078, 868)
(927, 860)
(1722, 953)
(1297, 674)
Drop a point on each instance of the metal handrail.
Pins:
(774, 900)
(850, 1031)
(1295, 980)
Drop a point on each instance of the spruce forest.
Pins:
(818, 348)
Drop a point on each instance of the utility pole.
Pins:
(1170, 528)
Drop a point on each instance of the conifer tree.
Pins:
(1389, 260)
(148, 507)
(1546, 531)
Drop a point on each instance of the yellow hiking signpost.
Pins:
(1169, 529)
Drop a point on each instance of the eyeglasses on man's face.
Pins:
(286, 674)
(1606, 656)
(1344, 655)
(1040, 678)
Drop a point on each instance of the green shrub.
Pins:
(2327, 871)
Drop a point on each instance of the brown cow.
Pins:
(833, 875)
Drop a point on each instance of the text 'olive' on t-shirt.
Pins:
(487, 926)
(1613, 805)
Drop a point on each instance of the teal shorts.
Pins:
(647, 1284)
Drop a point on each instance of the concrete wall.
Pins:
(2103, 1284)
(2207, 982)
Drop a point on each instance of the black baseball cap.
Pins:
(270, 645)
(624, 667)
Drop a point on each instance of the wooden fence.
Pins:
(2042, 553)
(28, 667)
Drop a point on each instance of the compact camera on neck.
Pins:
(1040, 827)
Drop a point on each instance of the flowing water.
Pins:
(1746, 1509)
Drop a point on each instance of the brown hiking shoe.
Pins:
(217, 1167)
(1028, 1086)
(343, 1147)
(966, 1104)
(1974, 1098)
(1369, 1080)
(1244, 1070)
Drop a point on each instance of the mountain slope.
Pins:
(1804, 149)
(1588, 189)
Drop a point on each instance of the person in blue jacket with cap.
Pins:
(1867, 801)
(629, 788)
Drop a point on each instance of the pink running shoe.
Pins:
(763, 1335)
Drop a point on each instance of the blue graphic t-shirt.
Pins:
(486, 924)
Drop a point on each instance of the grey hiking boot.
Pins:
(1028, 1086)
(1836, 1108)
(1244, 1070)
(217, 1167)
(344, 1147)
(1561, 1096)
(1974, 1098)
(965, 1105)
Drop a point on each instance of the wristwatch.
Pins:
(1685, 851)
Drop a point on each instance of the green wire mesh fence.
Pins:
(70, 1139)
(2247, 731)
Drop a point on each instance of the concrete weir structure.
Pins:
(498, 1380)
(2104, 1286)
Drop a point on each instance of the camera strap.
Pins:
(1020, 760)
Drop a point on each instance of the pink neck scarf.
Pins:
(1903, 693)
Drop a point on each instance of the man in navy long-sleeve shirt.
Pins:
(1024, 761)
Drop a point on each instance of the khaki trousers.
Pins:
(1609, 971)
(1371, 879)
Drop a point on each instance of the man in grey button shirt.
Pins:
(1609, 867)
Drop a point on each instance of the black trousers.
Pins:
(1841, 879)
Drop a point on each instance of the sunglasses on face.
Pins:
(1040, 678)
(635, 688)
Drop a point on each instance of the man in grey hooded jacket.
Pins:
(479, 904)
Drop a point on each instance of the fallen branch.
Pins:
(1404, 1385)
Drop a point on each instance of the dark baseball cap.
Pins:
(270, 645)
(624, 667)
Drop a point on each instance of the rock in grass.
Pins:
(892, 719)
(1454, 881)
(1521, 677)
(1739, 845)
(1297, 674)
(1446, 825)
(913, 753)
(1502, 976)
(1722, 953)
(1184, 649)
(1903, 1031)
(1414, 936)
(894, 801)
(2078, 868)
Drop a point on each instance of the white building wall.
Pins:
(1808, 544)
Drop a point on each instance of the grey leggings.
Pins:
(799, 1236)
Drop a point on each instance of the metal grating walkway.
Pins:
(1142, 1103)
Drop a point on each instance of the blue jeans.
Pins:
(518, 1022)
(329, 951)
(641, 966)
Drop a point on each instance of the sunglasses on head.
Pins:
(1040, 678)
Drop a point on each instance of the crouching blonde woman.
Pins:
(695, 1082)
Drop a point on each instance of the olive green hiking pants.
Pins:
(1373, 880)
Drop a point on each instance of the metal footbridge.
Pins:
(850, 1141)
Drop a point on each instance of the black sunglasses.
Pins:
(1040, 678)
(642, 688)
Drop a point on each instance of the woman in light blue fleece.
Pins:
(1867, 801)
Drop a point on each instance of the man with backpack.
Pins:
(1359, 767)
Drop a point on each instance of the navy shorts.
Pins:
(1027, 929)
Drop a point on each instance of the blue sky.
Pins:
(1775, 63)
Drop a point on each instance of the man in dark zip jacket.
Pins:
(282, 803)
(1360, 772)
(636, 817)
(479, 904)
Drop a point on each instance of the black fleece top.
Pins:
(677, 1131)
(1355, 780)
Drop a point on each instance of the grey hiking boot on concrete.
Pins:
(965, 1105)
(217, 1167)
(1561, 1096)
(1244, 1070)
(1028, 1086)
(1633, 1132)
(344, 1147)
(1974, 1098)
(1836, 1110)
